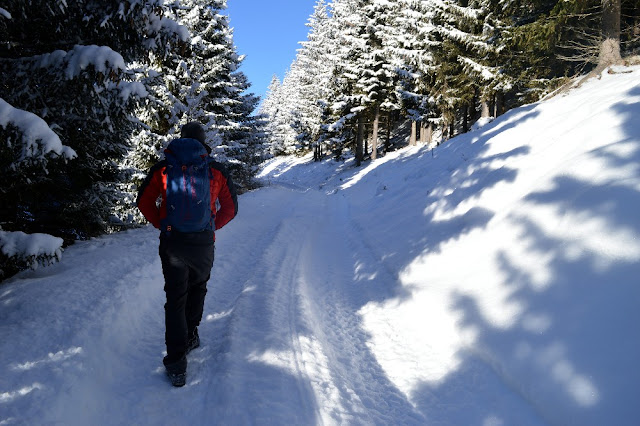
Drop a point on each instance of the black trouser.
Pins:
(187, 260)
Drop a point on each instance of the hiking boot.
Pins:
(177, 379)
(176, 370)
(194, 340)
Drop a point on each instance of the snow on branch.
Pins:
(134, 88)
(157, 24)
(5, 13)
(487, 73)
(31, 250)
(36, 134)
(103, 59)
(469, 40)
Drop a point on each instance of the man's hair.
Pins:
(195, 131)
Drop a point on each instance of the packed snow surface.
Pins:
(493, 280)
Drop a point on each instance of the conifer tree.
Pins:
(313, 66)
(71, 61)
(380, 77)
(436, 63)
(286, 117)
(414, 45)
(348, 107)
(272, 109)
(202, 82)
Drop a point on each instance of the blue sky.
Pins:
(268, 33)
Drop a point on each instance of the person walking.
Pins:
(187, 183)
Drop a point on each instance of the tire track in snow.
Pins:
(261, 319)
(334, 290)
(295, 349)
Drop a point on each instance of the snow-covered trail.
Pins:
(81, 332)
(294, 349)
(282, 340)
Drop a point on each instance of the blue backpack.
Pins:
(188, 187)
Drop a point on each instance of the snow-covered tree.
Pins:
(347, 106)
(67, 97)
(314, 66)
(272, 108)
(201, 82)
(288, 117)
(380, 77)
(415, 44)
(71, 61)
(436, 63)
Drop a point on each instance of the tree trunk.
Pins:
(374, 139)
(473, 113)
(412, 139)
(465, 119)
(484, 109)
(387, 140)
(365, 138)
(610, 46)
(359, 139)
(317, 152)
(499, 104)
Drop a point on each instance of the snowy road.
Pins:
(282, 338)
(295, 345)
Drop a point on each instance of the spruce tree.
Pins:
(314, 66)
(380, 78)
(272, 109)
(202, 82)
(414, 46)
(216, 90)
(71, 61)
(348, 107)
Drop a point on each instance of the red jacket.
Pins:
(155, 186)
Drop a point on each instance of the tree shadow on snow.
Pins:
(380, 254)
(460, 172)
(570, 354)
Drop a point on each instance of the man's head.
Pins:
(194, 130)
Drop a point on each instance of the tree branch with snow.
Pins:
(37, 137)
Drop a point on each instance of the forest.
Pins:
(92, 91)
(434, 66)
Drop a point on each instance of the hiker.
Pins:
(187, 219)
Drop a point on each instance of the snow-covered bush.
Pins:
(20, 251)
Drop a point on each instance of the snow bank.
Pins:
(506, 261)
(483, 121)
(37, 137)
